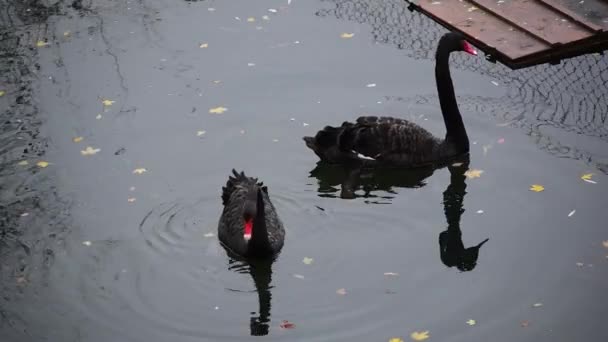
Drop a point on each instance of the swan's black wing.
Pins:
(390, 140)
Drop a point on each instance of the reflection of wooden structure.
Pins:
(522, 33)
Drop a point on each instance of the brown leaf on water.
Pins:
(605, 243)
(77, 139)
(285, 324)
(525, 324)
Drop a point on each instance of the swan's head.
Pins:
(455, 41)
(325, 144)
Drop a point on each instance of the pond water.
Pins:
(93, 251)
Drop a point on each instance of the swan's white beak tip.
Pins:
(247, 237)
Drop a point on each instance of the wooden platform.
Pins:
(522, 33)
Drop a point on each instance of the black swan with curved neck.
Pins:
(397, 142)
(249, 225)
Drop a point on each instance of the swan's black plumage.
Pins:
(244, 197)
(398, 142)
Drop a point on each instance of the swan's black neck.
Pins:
(259, 243)
(456, 133)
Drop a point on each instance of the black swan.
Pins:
(397, 142)
(249, 225)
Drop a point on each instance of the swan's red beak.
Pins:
(248, 229)
(468, 48)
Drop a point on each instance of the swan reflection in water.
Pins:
(356, 182)
(261, 273)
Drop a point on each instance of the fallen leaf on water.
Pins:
(304, 124)
(86, 243)
(131, 199)
(486, 148)
(77, 139)
(208, 235)
(250, 19)
(391, 274)
(41, 43)
(200, 133)
(21, 280)
(139, 171)
(537, 305)
(587, 176)
(217, 81)
(298, 276)
(341, 291)
(98, 117)
(218, 110)
(590, 181)
(132, 188)
(25, 214)
(473, 173)
(42, 164)
(250, 64)
(537, 188)
(23, 163)
(287, 325)
(572, 213)
(525, 323)
(2, 93)
(371, 85)
(275, 140)
(605, 243)
(203, 46)
(107, 102)
(580, 264)
(347, 35)
(307, 260)
(67, 33)
(501, 141)
(272, 10)
(420, 335)
(480, 211)
(494, 82)
(395, 339)
(265, 17)
(471, 322)
(89, 151)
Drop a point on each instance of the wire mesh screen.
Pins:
(571, 96)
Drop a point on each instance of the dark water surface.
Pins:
(91, 251)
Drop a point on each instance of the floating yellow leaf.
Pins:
(77, 139)
(396, 339)
(307, 260)
(537, 188)
(587, 176)
(41, 43)
(22, 163)
(341, 291)
(107, 102)
(139, 171)
(42, 164)
(204, 46)
(67, 33)
(89, 151)
(471, 322)
(200, 133)
(2, 93)
(347, 35)
(250, 19)
(420, 335)
(218, 110)
(473, 173)
(605, 243)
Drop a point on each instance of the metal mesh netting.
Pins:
(571, 96)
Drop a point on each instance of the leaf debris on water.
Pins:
(67, 33)
(307, 260)
(298, 276)
(89, 151)
(139, 171)
(525, 324)
(285, 324)
(605, 243)
(587, 178)
(272, 10)
(107, 102)
(23, 163)
(86, 243)
(218, 110)
(131, 199)
(204, 45)
(471, 322)
(537, 188)
(371, 85)
(250, 19)
(572, 213)
(2, 93)
(395, 339)
(537, 305)
(494, 83)
(98, 117)
(341, 291)
(480, 211)
(200, 133)
(41, 43)
(501, 141)
(420, 335)
(347, 35)
(391, 274)
(42, 164)
(473, 173)
(77, 139)
(208, 235)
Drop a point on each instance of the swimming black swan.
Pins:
(249, 225)
(397, 142)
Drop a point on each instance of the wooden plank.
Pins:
(537, 19)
